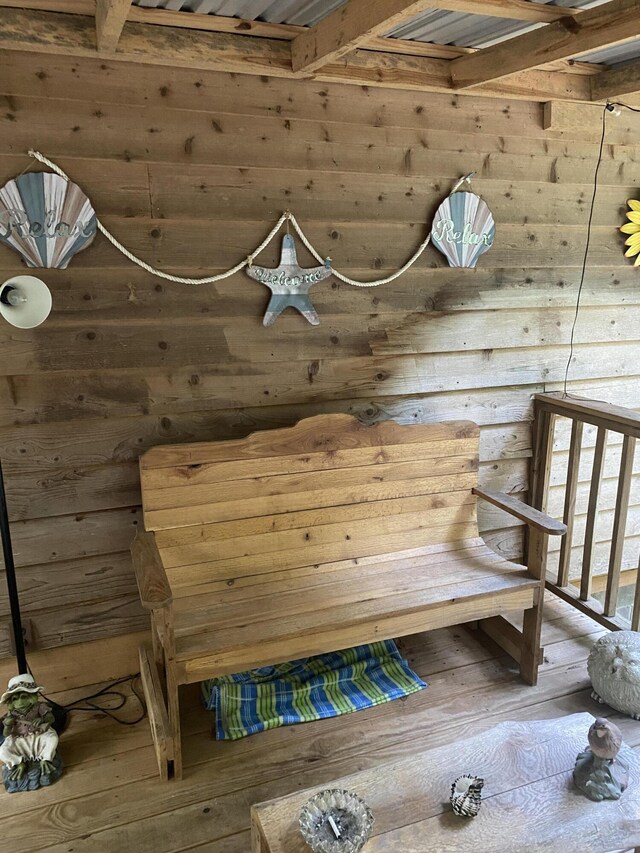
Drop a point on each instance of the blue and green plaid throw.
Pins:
(308, 689)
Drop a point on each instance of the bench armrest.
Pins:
(528, 514)
(153, 585)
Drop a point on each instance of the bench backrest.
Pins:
(326, 490)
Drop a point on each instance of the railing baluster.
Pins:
(544, 431)
(592, 512)
(568, 517)
(619, 525)
(635, 616)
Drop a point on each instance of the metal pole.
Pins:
(12, 587)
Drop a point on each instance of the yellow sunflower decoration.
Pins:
(632, 228)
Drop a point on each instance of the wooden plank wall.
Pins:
(190, 170)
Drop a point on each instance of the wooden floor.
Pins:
(111, 800)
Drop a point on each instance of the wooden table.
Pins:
(529, 803)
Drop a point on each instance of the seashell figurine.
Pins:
(463, 229)
(466, 797)
(614, 670)
(45, 218)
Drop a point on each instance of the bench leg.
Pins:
(156, 711)
(156, 643)
(173, 701)
(532, 625)
(530, 653)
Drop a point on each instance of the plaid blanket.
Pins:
(308, 689)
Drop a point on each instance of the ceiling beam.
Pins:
(287, 32)
(110, 18)
(347, 28)
(613, 22)
(617, 82)
(515, 10)
(73, 35)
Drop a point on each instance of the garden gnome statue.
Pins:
(29, 748)
(599, 773)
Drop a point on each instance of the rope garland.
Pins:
(287, 216)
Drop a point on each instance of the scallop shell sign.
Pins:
(463, 229)
(45, 218)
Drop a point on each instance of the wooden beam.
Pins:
(286, 32)
(618, 81)
(348, 27)
(515, 10)
(613, 22)
(73, 35)
(110, 18)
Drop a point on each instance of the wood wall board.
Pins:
(607, 493)
(64, 77)
(119, 188)
(91, 621)
(159, 130)
(31, 494)
(122, 440)
(71, 537)
(105, 81)
(105, 659)
(197, 141)
(119, 294)
(73, 583)
(165, 244)
(201, 191)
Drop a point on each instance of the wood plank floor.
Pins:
(110, 798)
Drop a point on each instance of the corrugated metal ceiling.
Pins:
(437, 25)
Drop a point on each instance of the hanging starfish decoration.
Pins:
(289, 284)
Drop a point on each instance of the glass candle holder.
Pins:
(336, 821)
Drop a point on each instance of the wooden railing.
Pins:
(607, 419)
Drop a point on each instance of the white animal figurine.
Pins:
(614, 670)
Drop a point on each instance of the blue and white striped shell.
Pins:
(463, 229)
(46, 219)
(466, 796)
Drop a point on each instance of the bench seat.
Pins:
(314, 538)
(325, 607)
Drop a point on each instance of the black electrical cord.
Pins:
(608, 108)
(611, 104)
(85, 703)
(605, 110)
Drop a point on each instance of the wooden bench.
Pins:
(317, 537)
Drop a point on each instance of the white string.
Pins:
(286, 217)
(118, 245)
(348, 280)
